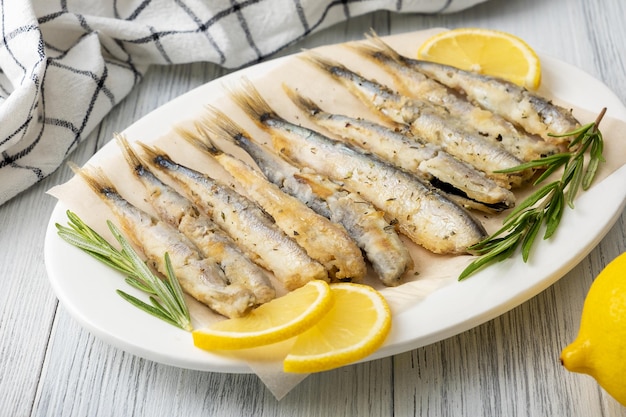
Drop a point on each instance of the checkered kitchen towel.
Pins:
(65, 63)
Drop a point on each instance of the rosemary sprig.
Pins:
(166, 295)
(547, 204)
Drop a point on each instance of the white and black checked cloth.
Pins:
(65, 63)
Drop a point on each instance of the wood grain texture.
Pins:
(509, 366)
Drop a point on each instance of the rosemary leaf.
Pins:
(549, 170)
(576, 180)
(166, 295)
(554, 213)
(503, 251)
(148, 308)
(531, 200)
(545, 206)
(559, 158)
(104, 253)
(176, 290)
(590, 173)
(139, 284)
(529, 237)
(597, 147)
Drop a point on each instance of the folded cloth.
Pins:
(64, 65)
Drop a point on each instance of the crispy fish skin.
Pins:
(244, 221)
(212, 242)
(521, 107)
(386, 252)
(324, 241)
(415, 84)
(405, 151)
(422, 213)
(430, 122)
(275, 169)
(434, 124)
(382, 246)
(199, 277)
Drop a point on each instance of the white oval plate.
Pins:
(86, 288)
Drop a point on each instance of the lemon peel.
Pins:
(600, 346)
(356, 326)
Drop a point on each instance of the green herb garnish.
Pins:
(166, 296)
(547, 204)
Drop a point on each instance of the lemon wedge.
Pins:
(485, 51)
(272, 322)
(355, 326)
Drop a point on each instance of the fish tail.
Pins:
(95, 178)
(217, 123)
(334, 69)
(220, 125)
(364, 88)
(378, 49)
(199, 139)
(325, 64)
(157, 157)
(253, 104)
(136, 164)
(305, 104)
(151, 153)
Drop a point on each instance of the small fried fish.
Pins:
(382, 246)
(430, 122)
(422, 213)
(244, 221)
(413, 83)
(402, 149)
(533, 113)
(199, 277)
(324, 241)
(212, 242)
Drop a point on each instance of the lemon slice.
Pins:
(272, 322)
(356, 325)
(485, 51)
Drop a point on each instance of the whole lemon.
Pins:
(600, 347)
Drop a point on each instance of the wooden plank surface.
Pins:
(50, 366)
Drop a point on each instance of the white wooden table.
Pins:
(50, 366)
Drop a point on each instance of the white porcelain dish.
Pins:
(87, 289)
